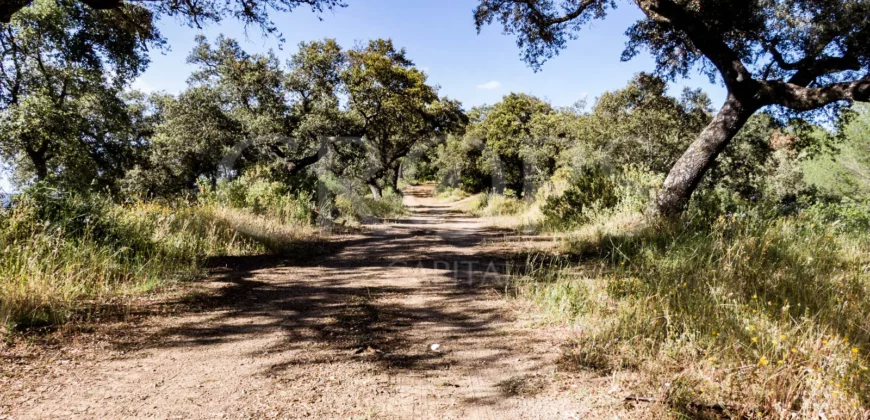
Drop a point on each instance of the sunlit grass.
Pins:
(52, 273)
(761, 316)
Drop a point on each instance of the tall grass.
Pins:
(492, 205)
(67, 258)
(756, 315)
(351, 208)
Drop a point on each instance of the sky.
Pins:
(440, 37)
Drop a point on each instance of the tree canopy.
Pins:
(395, 105)
(798, 55)
(62, 72)
(193, 12)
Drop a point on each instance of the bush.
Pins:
(588, 188)
(576, 198)
(262, 196)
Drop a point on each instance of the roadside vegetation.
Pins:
(753, 303)
(723, 258)
(121, 192)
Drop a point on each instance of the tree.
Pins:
(63, 68)
(251, 106)
(314, 83)
(288, 115)
(506, 129)
(194, 134)
(792, 55)
(641, 124)
(396, 108)
(194, 12)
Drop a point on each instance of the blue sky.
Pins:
(440, 37)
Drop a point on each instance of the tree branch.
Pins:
(297, 165)
(801, 98)
(545, 20)
(811, 66)
(709, 42)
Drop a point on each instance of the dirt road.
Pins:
(400, 322)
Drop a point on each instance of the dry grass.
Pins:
(761, 317)
(501, 212)
(55, 272)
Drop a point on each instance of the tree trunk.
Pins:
(376, 189)
(40, 164)
(687, 173)
(397, 173)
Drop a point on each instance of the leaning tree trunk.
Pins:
(377, 192)
(687, 173)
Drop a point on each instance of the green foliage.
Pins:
(741, 309)
(764, 57)
(248, 109)
(460, 164)
(260, 195)
(642, 125)
(249, 12)
(494, 205)
(588, 188)
(397, 107)
(524, 140)
(354, 208)
(189, 143)
(63, 117)
(70, 257)
(846, 172)
(506, 130)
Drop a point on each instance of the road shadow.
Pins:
(351, 298)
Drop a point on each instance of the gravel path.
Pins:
(401, 322)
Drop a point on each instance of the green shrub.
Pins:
(262, 196)
(577, 198)
(589, 188)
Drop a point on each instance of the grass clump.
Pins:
(68, 257)
(493, 204)
(749, 312)
(353, 208)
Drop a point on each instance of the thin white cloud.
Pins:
(141, 85)
(490, 85)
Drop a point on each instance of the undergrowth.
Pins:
(754, 314)
(67, 257)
